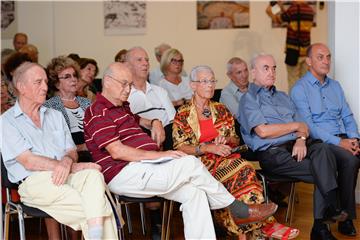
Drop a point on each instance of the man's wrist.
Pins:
(152, 121)
(301, 138)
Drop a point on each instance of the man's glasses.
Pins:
(206, 81)
(69, 76)
(177, 61)
(123, 83)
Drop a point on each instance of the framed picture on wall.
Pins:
(124, 17)
(222, 14)
(286, 5)
(8, 19)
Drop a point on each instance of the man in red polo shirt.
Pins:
(133, 165)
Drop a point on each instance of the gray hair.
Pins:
(159, 49)
(21, 70)
(200, 68)
(258, 55)
(130, 50)
(231, 62)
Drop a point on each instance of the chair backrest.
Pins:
(5, 182)
(217, 95)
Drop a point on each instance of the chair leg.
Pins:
(163, 228)
(7, 222)
(21, 224)
(142, 216)
(128, 217)
(171, 206)
(291, 204)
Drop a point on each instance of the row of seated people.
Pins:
(41, 156)
(214, 144)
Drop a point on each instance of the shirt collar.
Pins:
(233, 88)
(18, 111)
(313, 80)
(148, 88)
(103, 100)
(255, 89)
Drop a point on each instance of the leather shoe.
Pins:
(347, 228)
(332, 215)
(257, 213)
(321, 234)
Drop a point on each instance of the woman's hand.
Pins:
(218, 149)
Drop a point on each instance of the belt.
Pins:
(342, 135)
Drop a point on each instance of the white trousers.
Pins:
(185, 180)
(82, 197)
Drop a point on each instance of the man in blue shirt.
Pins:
(238, 73)
(269, 127)
(321, 102)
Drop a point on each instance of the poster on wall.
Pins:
(286, 5)
(8, 19)
(124, 17)
(222, 14)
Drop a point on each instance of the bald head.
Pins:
(117, 82)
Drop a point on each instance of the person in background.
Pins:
(120, 56)
(4, 97)
(19, 40)
(270, 126)
(117, 143)
(151, 102)
(88, 72)
(31, 51)
(63, 75)
(321, 102)
(177, 86)
(206, 129)
(11, 63)
(238, 73)
(156, 74)
(300, 13)
(41, 157)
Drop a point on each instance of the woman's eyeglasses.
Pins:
(177, 61)
(69, 76)
(206, 81)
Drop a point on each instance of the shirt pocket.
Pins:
(55, 141)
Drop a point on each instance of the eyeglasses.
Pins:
(69, 76)
(177, 61)
(123, 83)
(206, 81)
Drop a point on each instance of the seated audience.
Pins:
(40, 156)
(238, 73)
(63, 75)
(128, 158)
(177, 86)
(120, 56)
(269, 126)
(31, 51)
(148, 100)
(19, 40)
(321, 102)
(206, 129)
(156, 74)
(88, 72)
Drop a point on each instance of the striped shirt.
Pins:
(105, 123)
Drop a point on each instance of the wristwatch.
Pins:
(302, 138)
(198, 150)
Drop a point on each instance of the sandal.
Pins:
(280, 231)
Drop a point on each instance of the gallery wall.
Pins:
(62, 27)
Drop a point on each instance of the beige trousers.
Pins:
(82, 197)
(296, 72)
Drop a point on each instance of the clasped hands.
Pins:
(65, 166)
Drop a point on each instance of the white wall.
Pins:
(63, 27)
(344, 36)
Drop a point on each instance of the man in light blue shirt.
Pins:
(321, 102)
(270, 127)
(238, 73)
(40, 155)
